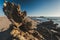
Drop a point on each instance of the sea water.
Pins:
(56, 20)
(44, 19)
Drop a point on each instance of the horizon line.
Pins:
(35, 16)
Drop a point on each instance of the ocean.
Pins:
(55, 19)
(44, 19)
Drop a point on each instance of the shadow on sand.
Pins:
(6, 34)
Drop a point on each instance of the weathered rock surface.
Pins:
(24, 28)
(43, 31)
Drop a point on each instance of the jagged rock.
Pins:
(25, 28)
(48, 30)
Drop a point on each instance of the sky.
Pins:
(36, 7)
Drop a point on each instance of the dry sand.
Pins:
(4, 28)
(4, 23)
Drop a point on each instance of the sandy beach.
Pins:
(4, 23)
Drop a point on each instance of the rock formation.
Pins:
(25, 28)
